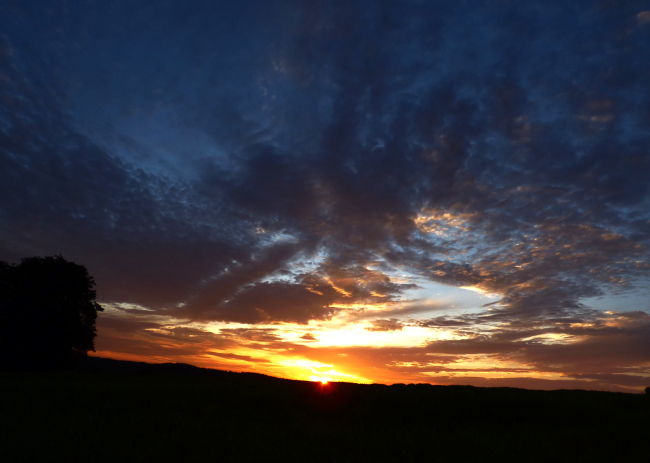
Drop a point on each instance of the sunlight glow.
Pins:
(320, 379)
(338, 289)
(442, 223)
(321, 371)
(481, 291)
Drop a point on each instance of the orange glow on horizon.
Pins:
(322, 380)
(338, 350)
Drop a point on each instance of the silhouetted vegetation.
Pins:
(109, 411)
(47, 314)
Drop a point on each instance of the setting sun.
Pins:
(319, 379)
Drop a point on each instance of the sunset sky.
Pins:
(448, 192)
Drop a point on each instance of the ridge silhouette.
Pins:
(108, 410)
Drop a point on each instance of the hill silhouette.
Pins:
(109, 410)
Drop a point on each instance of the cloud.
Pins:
(264, 335)
(444, 321)
(266, 302)
(244, 358)
(391, 324)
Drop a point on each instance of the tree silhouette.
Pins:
(47, 314)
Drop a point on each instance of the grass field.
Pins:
(167, 415)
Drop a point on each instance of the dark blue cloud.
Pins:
(190, 154)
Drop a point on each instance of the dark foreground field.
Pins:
(117, 411)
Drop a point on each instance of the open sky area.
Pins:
(447, 192)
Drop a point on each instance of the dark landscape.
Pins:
(109, 410)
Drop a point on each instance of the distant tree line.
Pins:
(47, 314)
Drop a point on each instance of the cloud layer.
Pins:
(303, 170)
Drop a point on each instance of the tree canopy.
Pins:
(47, 313)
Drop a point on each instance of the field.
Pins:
(122, 412)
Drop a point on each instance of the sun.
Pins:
(322, 380)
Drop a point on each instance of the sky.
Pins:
(368, 191)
